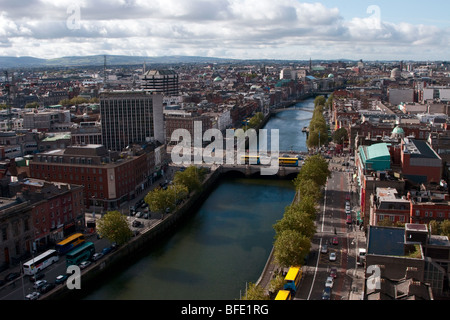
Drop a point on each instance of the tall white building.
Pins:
(131, 117)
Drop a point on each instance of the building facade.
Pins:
(130, 117)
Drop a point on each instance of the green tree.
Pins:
(291, 248)
(340, 135)
(114, 226)
(32, 105)
(307, 204)
(255, 292)
(256, 120)
(445, 228)
(315, 168)
(192, 178)
(319, 101)
(276, 283)
(296, 220)
(159, 200)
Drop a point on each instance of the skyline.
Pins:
(235, 29)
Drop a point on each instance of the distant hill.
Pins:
(98, 60)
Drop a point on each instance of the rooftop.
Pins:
(386, 241)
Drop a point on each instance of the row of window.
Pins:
(427, 214)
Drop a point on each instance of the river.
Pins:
(225, 244)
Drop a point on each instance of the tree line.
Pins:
(294, 232)
(114, 225)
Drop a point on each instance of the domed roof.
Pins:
(331, 75)
(398, 130)
(217, 79)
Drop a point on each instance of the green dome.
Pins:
(398, 130)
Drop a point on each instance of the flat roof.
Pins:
(386, 241)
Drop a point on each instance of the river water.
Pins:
(224, 245)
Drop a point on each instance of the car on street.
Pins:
(97, 256)
(11, 276)
(106, 250)
(85, 264)
(324, 249)
(47, 287)
(38, 284)
(335, 241)
(329, 282)
(37, 277)
(33, 296)
(333, 273)
(326, 294)
(61, 278)
(333, 256)
(349, 219)
(138, 214)
(136, 224)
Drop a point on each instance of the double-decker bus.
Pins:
(292, 279)
(40, 262)
(81, 253)
(69, 243)
(283, 295)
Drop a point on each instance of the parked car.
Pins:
(138, 214)
(136, 224)
(324, 249)
(37, 277)
(33, 296)
(107, 250)
(61, 278)
(329, 282)
(38, 284)
(97, 256)
(349, 219)
(333, 256)
(326, 294)
(11, 276)
(85, 264)
(335, 241)
(333, 273)
(47, 287)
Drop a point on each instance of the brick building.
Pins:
(109, 178)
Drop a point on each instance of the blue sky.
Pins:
(280, 29)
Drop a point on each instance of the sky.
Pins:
(240, 29)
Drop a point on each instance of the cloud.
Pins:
(237, 28)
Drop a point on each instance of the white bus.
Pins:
(40, 262)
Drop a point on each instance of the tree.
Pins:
(192, 178)
(307, 204)
(159, 200)
(256, 120)
(314, 168)
(296, 220)
(32, 105)
(114, 226)
(291, 248)
(319, 101)
(340, 135)
(255, 292)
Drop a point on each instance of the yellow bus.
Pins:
(283, 295)
(69, 243)
(292, 279)
(288, 162)
(250, 160)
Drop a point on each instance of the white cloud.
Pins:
(229, 28)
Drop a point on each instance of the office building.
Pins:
(130, 117)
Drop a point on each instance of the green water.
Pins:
(220, 248)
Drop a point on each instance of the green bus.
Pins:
(81, 253)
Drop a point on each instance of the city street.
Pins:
(340, 238)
